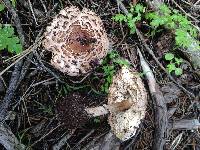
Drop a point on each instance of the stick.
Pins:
(8, 139)
(16, 73)
(185, 124)
(10, 91)
(107, 142)
(62, 141)
(44, 136)
(161, 117)
(17, 76)
(31, 8)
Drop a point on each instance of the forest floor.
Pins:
(39, 119)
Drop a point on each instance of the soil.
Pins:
(71, 109)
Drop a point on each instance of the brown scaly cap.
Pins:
(77, 40)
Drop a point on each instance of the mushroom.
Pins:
(127, 100)
(77, 40)
(127, 85)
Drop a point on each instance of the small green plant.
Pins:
(174, 64)
(110, 64)
(2, 7)
(173, 20)
(8, 39)
(13, 2)
(185, 33)
(132, 17)
(45, 109)
(24, 137)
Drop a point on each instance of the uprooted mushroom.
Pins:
(77, 40)
(126, 106)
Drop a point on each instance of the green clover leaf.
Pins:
(178, 71)
(169, 56)
(171, 67)
(2, 7)
(9, 40)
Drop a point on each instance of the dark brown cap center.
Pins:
(80, 40)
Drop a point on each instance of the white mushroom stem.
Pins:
(105, 109)
(97, 111)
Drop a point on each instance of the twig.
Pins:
(185, 124)
(38, 12)
(44, 136)
(3, 81)
(85, 137)
(46, 68)
(25, 53)
(10, 91)
(187, 14)
(16, 73)
(122, 7)
(43, 5)
(83, 78)
(28, 60)
(44, 82)
(31, 8)
(161, 117)
(8, 139)
(62, 141)
(17, 76)
(176, 141)
(24, 68)
(197, 2)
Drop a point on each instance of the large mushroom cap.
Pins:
(77, 40)
(127, 85)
